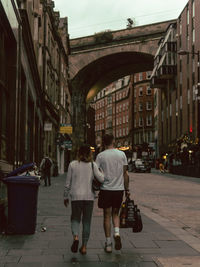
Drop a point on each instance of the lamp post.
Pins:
(183, 53)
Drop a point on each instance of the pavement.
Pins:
(161, 243)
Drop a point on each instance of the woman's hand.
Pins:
(66, 202)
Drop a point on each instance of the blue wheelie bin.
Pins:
(23, 168)
(22, 204)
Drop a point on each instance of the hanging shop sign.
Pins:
(65, 129)
(48, 127)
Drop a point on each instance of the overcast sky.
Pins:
(85, 17)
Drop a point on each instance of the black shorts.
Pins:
(108, 199)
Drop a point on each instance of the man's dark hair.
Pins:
(108, 139)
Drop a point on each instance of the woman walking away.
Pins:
(79, 187)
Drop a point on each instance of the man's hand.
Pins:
(66, 202)
(127, 193)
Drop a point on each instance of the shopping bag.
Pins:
(138, 225)
(130, 216)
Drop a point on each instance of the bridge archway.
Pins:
(96, 76)
(93, 66)
(100, 73)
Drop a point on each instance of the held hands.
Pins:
(66, 202)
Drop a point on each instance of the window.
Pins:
(148, 91)
(193, 35)
(120, 108)
(124, 119)
(127, 130)
(135, 92)
(109, 99)
(188, 16)
(135, 78)
(120, 121)
(140, 106)
(124, 106)
(193, 8)
(110, 111)
(181, 102)
(149, 120)
(148, 105)
(140, 76)
(135, 107)
(194, 92)
(180, 27)
(140, 121)
(140, 91)
(117, 121)
(124, 131)
(135, 123)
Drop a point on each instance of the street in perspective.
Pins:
(99, 133)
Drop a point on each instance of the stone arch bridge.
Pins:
(96, 61)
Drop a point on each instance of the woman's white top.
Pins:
(78, 184)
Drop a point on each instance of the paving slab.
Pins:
(180, 261)
(52, 247)
(24, 265)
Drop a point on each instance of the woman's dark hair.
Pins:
(84, 153)
(108, 139)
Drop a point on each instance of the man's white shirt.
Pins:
(112, 162)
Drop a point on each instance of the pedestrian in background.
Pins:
(45, 168)
(78, 187)
(161, 166)
(114, 164)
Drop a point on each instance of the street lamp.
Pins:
(183, 53)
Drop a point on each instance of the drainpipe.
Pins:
(44, 69)
(17, 97)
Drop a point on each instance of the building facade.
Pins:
(112, 112)
(34, 89)
(143, 110)
(176, 74)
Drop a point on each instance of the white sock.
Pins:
(108, 240)
(116, 229)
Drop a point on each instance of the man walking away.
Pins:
(114, 165)
(45, 167)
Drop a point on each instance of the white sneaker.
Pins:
(108, 248)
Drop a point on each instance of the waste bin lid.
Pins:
(21, 169)
(22, 180)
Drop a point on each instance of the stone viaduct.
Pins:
(96, 61)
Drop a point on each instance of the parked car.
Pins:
(140, 165)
